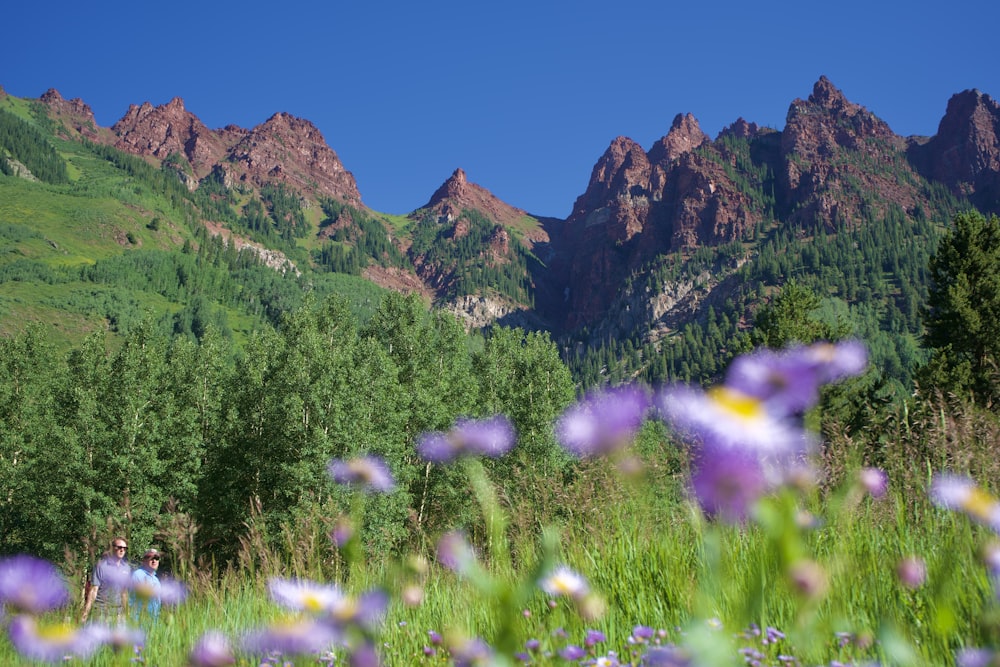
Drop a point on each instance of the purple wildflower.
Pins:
(572, 652)
(118, 637)
(291, 637)
(788, 381)
(172, 592)
(564, 582)
(455, 553)
(874, 481)
(492, 437)
(665, 656)
(342, 532)
(731, 419)
(52, 643)
(912, 572)
(366, 610)
(594, 637)
(727, 483)
(212, 650)
(641, 634)
(472, 652)
(31, 585)
(975, 657)
(603, 422)
(369, 472)
(364, 655)
(532, 645)
(305, 595)
(435, 637)
(955, 492)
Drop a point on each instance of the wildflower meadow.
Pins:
(705, 527)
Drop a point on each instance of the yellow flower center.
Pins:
(737, 403)
(980, 504)
(58, 632)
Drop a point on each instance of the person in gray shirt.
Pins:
(109, 583)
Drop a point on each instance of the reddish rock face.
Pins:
(832, 152)
(166, 130)
(965, 152)
(457, 193)
(74, 114)
(283, 149)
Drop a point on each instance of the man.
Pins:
(108, 582)
(145, 595)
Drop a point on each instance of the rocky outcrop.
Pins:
(965, 152)
(835, 157)
(290, 150)
(74, 115)
(169, 130)
(457, 194)
(284, 149)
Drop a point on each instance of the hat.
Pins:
(150, 552)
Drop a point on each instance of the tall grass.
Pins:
(657, 562)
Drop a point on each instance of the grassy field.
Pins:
(666, 576)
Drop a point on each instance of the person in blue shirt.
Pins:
(144, 595)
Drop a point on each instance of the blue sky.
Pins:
(525, 96)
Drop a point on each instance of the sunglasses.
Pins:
(156, 558)
(121, 546)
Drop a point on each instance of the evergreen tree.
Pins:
(962, 317)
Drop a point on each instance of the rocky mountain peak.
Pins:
(169, 129)
(741, 129)
(828, 96)
(685, 135)
(457, 194)
(624, 168)
(74, 114)
(965, 152)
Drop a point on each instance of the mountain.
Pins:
(663, 243)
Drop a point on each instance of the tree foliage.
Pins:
(962, 317)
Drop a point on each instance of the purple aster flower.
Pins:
(788, 381)
(366, 610)
(434, 637)
(471, 652)
(956, 492)
(594, 637)
(118, 637)
(364, 655)
(572, 652)
(342, 532)
(564, 582)
(603, 422)
(912, 572)
(727, 418)
(53, 643)
(665, 656)
(455, 553)
(836, 361)
(642, 633)
(974, 657)
(492, 437)
(292, 637)
(727, 483)
(31, 585)
(302, 595)
(369, 472)
(532, 645)
(874, 481)
(212, 650)
(172, 592)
